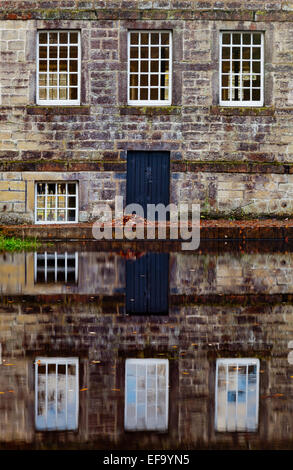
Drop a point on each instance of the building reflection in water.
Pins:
(56, 267)
(237, 394)
(147, 284)
(56, 393)
(146, 394)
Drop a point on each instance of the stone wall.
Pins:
(225, 158)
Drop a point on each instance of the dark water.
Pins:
(147, 348)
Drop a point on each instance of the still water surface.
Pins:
(146, 349)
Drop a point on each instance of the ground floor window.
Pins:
(146, 394)
(56, 393)
(56, 202)
(56, 267)
(237, 394)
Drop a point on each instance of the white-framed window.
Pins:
(237, 394)
(56, 268)
(56, 393)
(56, 202)
(241, 68)
(58, 67)
(149, 67)
(146, 394)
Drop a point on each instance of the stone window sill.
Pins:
(150, 110)
(242, 111)
(53, 110)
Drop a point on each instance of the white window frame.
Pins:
(241, 103)
(58, 102)
(45, 361)
(147, 362)
(150, 102)
(237, 362)
(45, 222)
(55, 256)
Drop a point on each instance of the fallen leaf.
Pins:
(83, 389)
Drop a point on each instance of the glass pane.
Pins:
(73, 52)
(246, 38)
(63, 52)
(134, 52)
(53, 52)
(51, 188)
(53, 94)
(63, 66)
(40, 202)
(134, 94)
(61, 201)
(133, 66)
(225, 94)
(71, 202)
(71, 188)
(63, 38)
(61, 217)
(226, 53)
(226, 37)
(256, 38)
(74, 38)
(256, 95)
(63, 94)
(73, 79)
(155, 54)
(144, 38)
(144, 66)
(134, 38)
(71, 215)
(143, 94)
(53, 38)
(40, 215)
(43, 66)
(53, 65)
(53, 79)
(236, 38)
(155, 38)
(73, 65)
(73, 93)
(41, 188)
(42, 94)
(43, 52)
(165, 38)
(43, 38)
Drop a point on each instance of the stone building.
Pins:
(159, 101)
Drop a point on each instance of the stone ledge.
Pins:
(211, 13)
(150, 110)
(52, 110)
(220, 229)
(242, 111)
(177, 166)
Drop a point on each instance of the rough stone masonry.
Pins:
(232, 160)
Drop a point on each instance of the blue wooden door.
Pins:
(148, 178)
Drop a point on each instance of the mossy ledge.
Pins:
(17, 244)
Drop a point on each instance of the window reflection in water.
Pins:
(146, 394)
(237, 395)
(56, 267)
(56, 394)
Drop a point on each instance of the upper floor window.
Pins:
(149, 67)
(58, 67)
(241, 68)
(237, 394)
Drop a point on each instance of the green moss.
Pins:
(17, 244)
